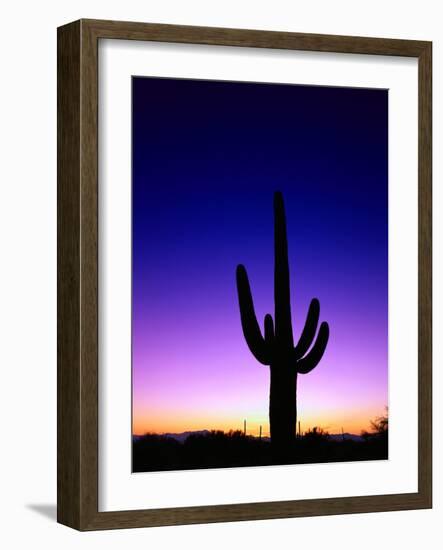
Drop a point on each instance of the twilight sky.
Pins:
(207, 158)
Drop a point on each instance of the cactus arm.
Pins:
(282, 299)
(311, 360)
(269, 331)
(309, 330)
(251, 329)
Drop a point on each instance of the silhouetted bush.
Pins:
(217, 449)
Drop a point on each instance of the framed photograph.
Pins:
(244, 275)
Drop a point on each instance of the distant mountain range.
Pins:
(340, 437)
(181, 437)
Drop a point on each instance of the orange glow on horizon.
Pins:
(332, 423)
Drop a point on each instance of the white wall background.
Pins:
(28, 270)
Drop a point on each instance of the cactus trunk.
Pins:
(283, 385)
(282, 405)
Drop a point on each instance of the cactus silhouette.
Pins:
(276, 346)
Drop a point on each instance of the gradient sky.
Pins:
(207, 157)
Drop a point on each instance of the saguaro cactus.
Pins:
(276, 347)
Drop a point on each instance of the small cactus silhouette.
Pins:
(276, 347)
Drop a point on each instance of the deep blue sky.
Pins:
(207, 157)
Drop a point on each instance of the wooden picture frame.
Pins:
(78, 274)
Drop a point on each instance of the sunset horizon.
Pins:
(253, 426)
